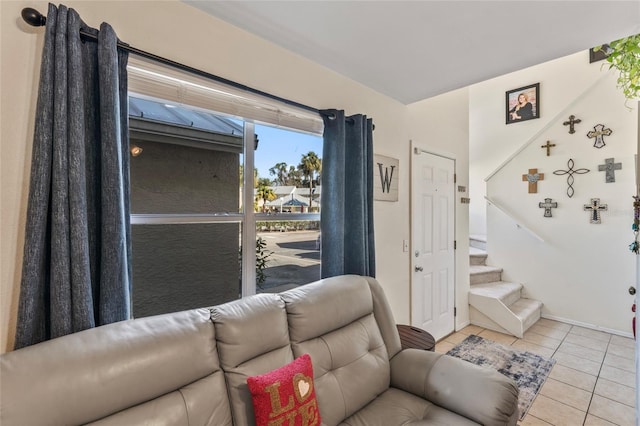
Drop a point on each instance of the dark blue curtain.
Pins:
(348, 245)
(76, 265)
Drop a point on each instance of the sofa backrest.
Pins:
(252, 338)
(191, 367)
(340, 322)
(157, 370)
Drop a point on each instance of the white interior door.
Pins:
(432, 248)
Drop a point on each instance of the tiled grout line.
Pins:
(556, 363)
(552, 355)
(597, 378)
(555, 351)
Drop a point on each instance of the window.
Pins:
(199, 238)
(287, 193)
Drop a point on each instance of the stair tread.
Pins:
(473, 251)
(497, 290)
(523, 308)
(483, 269)
(526, 303)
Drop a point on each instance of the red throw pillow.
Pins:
(286, 396)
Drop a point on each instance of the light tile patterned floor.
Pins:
(592, 382)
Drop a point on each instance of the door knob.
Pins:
(418, 268)
(632, 290)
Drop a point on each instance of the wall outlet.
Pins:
(405, 246)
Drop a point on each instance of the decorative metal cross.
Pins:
(548, 146)
(609, 167)
(572, 121)
(533, 177)
(594, 210)
(547, 206)
(570, 172)
(599, 132)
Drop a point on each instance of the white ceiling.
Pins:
(412, 50)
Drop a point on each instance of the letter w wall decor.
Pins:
(385, 178)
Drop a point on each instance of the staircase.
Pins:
(493, 303)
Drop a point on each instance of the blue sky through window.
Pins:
(280, 145)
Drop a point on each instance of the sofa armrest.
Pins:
(480, 394)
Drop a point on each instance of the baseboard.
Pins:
(587, 325)
(463, 325)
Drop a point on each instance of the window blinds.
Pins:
(159, 81)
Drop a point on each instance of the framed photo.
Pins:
(523, 103)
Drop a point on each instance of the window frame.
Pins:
(157, 81)
(247, 218)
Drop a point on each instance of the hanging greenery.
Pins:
(624, 55)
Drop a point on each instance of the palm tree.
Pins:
(280, 172)
(310, 164)
(264, 192)
(294, 177)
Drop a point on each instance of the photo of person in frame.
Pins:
(523, 104)
(523, 109)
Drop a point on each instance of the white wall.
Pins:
(177, 31)
(581, 271)
(440, 124)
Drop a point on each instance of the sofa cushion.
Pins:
(203, 402)
(90, 375)
(252, 338)
(286, 395)
(396, 407)
(333, 322)
(318, 308)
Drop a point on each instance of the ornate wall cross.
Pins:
(547, 206)
(572, 121)
(609, 167)
(548, 146)
(599, 132)
(533, 177)
(570, 172)
(594, 210)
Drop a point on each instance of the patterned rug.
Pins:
(527, 369)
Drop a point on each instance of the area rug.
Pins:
(527, 369)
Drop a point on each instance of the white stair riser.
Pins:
(503, 316)
(482, 245)
(531, 314)
(531, 320)
(478, 260)
(499, 313)
(485, 277)
(507, 297)
(481, 320)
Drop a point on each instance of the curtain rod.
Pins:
(36, 19)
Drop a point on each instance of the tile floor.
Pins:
(592, 382)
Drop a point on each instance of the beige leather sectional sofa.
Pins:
(190, 368)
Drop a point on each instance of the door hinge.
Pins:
(455, 311)
(455, 245)
(455, 178)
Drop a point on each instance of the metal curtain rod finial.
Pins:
(33, 17)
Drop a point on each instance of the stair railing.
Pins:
(511, 216)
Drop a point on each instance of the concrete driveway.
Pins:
(294, 260)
